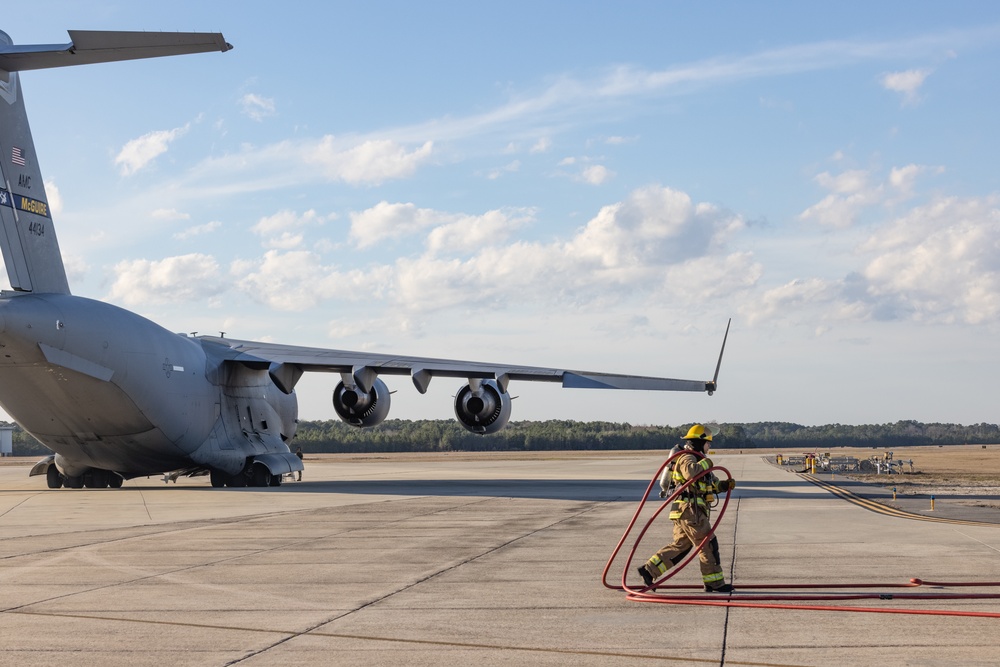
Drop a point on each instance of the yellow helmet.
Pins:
(698, 432)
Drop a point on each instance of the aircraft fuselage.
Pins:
(107, 388)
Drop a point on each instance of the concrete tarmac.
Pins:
(433, 561)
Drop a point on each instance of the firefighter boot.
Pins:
(724, 588)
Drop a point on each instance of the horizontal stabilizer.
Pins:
(104, 46)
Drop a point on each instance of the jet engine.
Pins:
(357, 408)
(481, 407)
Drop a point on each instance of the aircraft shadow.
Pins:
(628, 491)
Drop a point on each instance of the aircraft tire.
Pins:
(73, 482)
(53, 477)
(218, 478)
(96, 478)
(237, 481)
(261, 475)
(115, 480)
(275, 480)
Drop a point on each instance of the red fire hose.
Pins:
(643, 593)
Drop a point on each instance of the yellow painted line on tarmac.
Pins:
(873, 506)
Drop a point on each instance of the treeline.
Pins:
(445, 435)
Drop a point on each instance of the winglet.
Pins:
(714, 384)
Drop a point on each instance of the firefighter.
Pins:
(690, 514)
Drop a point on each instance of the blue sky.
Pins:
(594, 186)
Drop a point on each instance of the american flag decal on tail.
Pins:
(16, 156)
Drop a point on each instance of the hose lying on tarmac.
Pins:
(768, 598)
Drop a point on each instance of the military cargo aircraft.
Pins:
(116, 396)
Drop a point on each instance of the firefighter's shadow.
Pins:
(553, 489)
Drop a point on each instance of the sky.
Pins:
(581, 185)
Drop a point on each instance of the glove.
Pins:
(730, 484)
(663, 493)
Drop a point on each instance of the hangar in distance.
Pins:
(117, 396)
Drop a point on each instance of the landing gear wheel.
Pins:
(261, 475)
(275, 480)
(115, 480)
(95, 478)
(53, 477)
(218, 478)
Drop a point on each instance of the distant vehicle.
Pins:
(117, 396)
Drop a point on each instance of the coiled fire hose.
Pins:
(767, 599)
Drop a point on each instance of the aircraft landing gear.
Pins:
(257, 474)
(261, 475)
(53, 477)
(94, 478)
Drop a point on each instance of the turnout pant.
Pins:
(689, 530)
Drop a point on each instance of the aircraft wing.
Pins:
(287, 362)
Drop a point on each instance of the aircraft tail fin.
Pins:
(27, 237)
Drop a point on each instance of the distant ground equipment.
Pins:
(875, 465)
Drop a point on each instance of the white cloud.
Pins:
(792, 297)
(619, 141)
(54, 198)
(541, 146)
(76, 268)
(596, 174)
(137, 153)
(171, 280)
(449, 231)
(283, 229)
(654, 226)
(627, 248)
(903, 179)
(509, 168)
(284, 221)
(198, 230)
(297, 280)
(474, 232)
(257, 107)
(655, 241)
(393, 221)
(848, 182)
(940, 263)
(702, 279)
(852, 192)
(371, 162)
(169, 214)
(908, 83)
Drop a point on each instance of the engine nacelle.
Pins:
(359, 409)
(483, 410)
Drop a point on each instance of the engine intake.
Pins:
(359, 409)
(481, 407)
